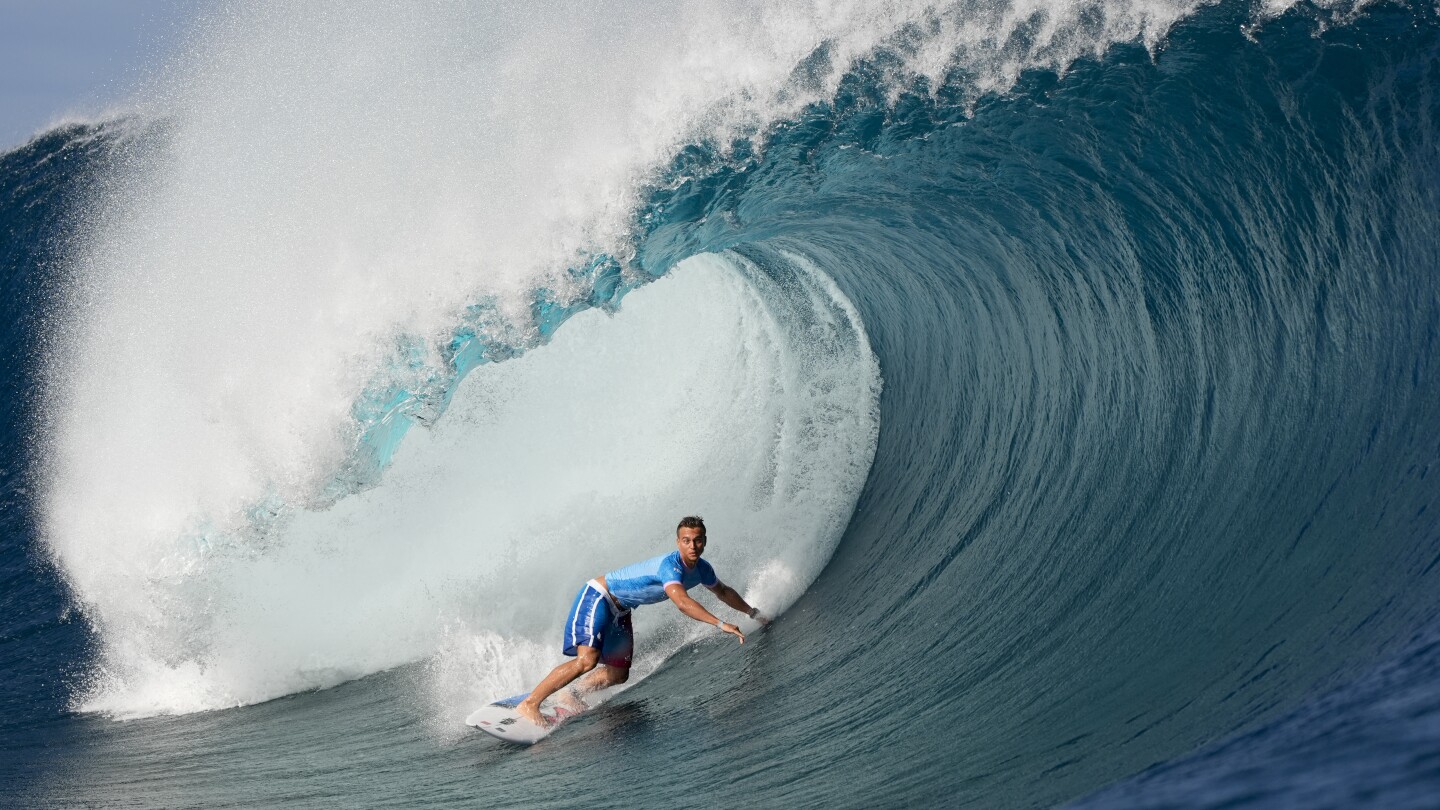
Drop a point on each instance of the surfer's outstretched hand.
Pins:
(733, 630)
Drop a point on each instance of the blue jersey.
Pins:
(644, 582)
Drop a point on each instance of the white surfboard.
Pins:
(501, 721)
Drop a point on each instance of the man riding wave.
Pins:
(598, 633)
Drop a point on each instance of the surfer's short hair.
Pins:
(691, 522)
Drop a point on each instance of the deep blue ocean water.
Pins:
(1150, 520)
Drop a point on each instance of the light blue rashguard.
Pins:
(643, 583)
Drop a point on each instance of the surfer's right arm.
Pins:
(696, 611)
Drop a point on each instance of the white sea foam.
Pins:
(332, 178)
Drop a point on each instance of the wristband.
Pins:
(720, 624)
(752, 612)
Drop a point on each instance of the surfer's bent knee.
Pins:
(587, 658)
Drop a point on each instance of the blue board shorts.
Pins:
(595, 622)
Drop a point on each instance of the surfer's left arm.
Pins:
(732, 597)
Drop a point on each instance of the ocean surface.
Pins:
(1063, 376)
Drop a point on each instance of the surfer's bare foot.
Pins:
(531, 712)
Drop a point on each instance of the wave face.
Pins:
(367, 338)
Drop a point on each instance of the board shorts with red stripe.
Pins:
(595, 622)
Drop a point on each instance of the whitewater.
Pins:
(1061, 375)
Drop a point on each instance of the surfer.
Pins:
(598, 629)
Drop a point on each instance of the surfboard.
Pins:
(501, 721)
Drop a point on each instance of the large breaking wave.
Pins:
(381, 331)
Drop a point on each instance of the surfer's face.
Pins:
(691, 543)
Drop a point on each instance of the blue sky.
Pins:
(78, 57)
